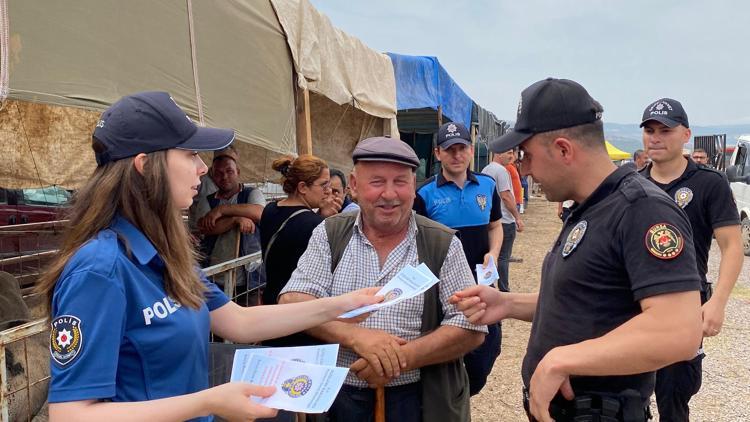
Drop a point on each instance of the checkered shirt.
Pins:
(359, 268)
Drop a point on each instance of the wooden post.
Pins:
(440, 116)
(380, 404)
(304, 129)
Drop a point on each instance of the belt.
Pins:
(627, 406)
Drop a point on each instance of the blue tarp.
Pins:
(421, 82)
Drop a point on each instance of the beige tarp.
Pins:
(334, 64)
(89, 53)
(76, 58)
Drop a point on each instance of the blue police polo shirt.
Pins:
(469, 209)
(116, 335)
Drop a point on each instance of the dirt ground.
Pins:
(726, 376)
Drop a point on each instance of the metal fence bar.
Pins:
(26, 258)
(233, 263)
(19, 333)
(34, 226)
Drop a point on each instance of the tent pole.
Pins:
(304, 129)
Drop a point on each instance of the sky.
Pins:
(626, 53)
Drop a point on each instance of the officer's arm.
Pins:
(730, 244)
(442, 345)
(495, 233)
(667, 330)
(483, 305)
(256, 323)
(231, 401)
(330, 332)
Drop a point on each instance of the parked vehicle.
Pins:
(738, 174)
(24, 206)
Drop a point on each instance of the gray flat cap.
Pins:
(382, 148)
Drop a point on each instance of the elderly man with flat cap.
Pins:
(619, 295)
(412, 348)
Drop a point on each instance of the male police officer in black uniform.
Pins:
(619, 297)
(469, 203)
(706, 198)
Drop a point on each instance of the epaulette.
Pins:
(633, 187)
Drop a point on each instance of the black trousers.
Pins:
(479, 362)
(675, 385)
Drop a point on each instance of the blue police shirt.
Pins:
(116, 335)
(469, 209)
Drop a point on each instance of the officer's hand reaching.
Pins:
(713, 317)
(482, 304)
(546, 381)
(232, 401)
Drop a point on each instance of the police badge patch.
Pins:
(664, 241)
(297, 386)
(65, 339)
(683, 196)
(574, 238)
(482, 201)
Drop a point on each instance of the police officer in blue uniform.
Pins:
(469, 203)
(619, 296)
(704, 194)
(130, 314)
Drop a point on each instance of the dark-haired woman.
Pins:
(130, 314)
(286, 225)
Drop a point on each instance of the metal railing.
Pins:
(225, 275)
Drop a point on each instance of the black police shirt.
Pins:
(626, 242)
(705, 196)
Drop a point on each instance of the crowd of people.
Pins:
(622, 307)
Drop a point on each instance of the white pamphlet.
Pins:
(408, 283)
(487, 275)
(300, 387)
(325, 354)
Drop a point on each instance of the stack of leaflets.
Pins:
(306, 378)
(408, 283)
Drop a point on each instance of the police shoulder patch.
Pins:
(65, 339)
(664, 241)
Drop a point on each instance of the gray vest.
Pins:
(445, 386)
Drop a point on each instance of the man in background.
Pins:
(700, 156)
(511, 219)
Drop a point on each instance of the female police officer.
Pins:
(130, 314)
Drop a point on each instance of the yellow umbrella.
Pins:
(616, 153)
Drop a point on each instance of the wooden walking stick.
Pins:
(380, 404)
